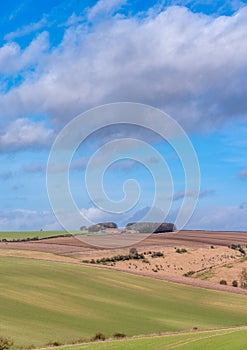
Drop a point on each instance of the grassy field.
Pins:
(41, 302)
(211, 340)
(34, 234)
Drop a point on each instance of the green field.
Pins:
(212, 340)
(42, 302)
(34, 234)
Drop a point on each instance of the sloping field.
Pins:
(211, 340)
(41, 302)
(12, 235)
(70, 245)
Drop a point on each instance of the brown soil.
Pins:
(210, 264)
(67, 245)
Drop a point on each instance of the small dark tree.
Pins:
(133, 251)
(99, 336)
(234, 283)
(223, 282)
(5, 343)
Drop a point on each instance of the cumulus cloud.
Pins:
(22, 133)
(191, 65)
(224, 218)
(24, 219)
(13, 59)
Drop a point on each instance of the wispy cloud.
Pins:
(192, 193)
(37, 167)
(28, 29)
(104, 8)
(242, 174)
(6, 175)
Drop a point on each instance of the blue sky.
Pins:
(187, 58)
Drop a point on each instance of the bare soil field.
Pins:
(70, 245)
(207, 259)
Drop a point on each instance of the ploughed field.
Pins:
(71, 244)
(43, 302)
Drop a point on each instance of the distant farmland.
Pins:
(42, 302)
(23, 235)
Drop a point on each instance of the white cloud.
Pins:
(13, 59)
(32, 27)
(24, 219)
(104, 8)
(191, 65)
(22, 134)
(224, 218)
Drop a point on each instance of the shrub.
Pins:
(119, 335)
(157, 255)
(54, 343)
(181, 251)
(234, 283)
(5, 343)
(223, 282)
(189, 274)
(99, 336)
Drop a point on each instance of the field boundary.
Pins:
(220, 331)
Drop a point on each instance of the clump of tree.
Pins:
(5, 343)
(102, 226)
(157, 255)
(237, 247)
(151, 227)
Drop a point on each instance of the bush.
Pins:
(181, 251)
(234, 283)
(54, 343)
(189, 274)
(119, 335)
(99, 336)
(5, 343)
(223, 282)
(157, 255)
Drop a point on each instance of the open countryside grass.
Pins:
(47, 301)
(15, 235)
(220, 340)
